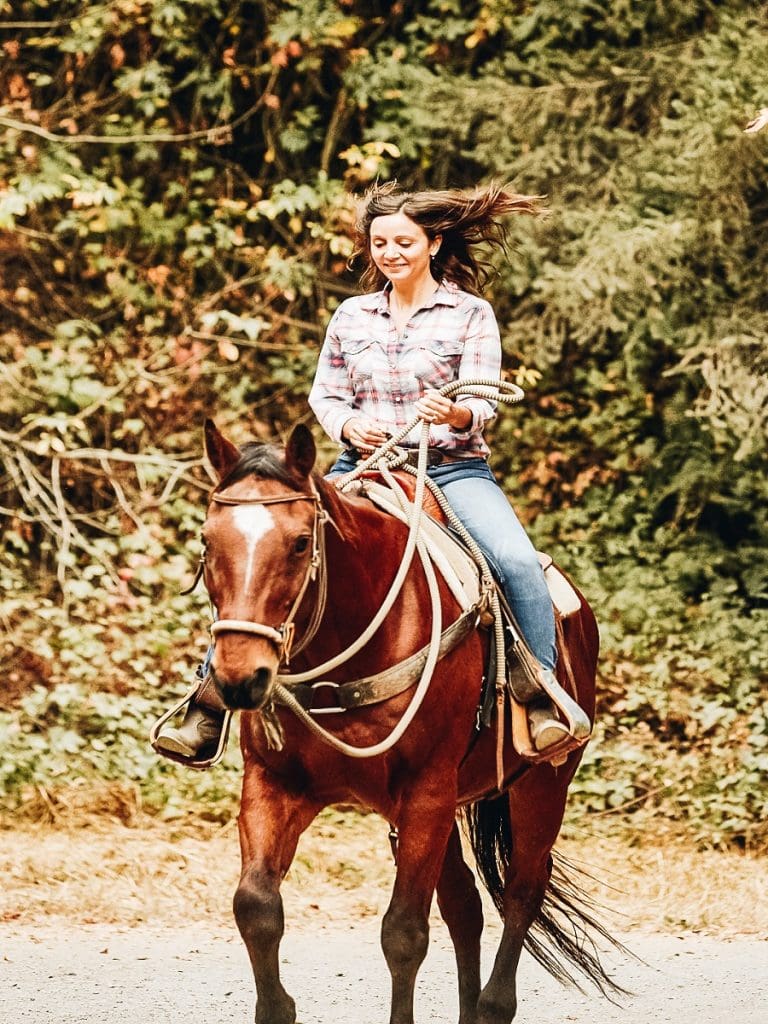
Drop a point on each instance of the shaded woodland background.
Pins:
(175, 218)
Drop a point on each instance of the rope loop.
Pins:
(478, 387)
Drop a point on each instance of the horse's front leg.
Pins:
(270, 823)
(462, 911)
(424, 826)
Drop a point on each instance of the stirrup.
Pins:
(576, 721)
(555, 754)
(198, 764)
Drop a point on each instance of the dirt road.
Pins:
(92, 974)
(90, 934)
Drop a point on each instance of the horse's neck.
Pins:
(363, 554)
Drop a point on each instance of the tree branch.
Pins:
(335, 125)
(214, 136)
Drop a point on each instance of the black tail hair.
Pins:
(564, 932)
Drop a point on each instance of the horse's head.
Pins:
(261, 541)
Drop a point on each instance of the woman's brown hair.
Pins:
(464, 218)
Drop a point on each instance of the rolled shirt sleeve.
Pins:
(481, 359)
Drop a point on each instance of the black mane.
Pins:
(261, 460)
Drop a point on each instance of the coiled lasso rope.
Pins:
(384, 459)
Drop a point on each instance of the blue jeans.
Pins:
(479, 502)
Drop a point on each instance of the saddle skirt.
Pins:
(454, 562)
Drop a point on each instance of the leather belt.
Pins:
(435, 457)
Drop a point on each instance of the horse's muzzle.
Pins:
(249, 694)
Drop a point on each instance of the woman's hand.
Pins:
(363, 433)
(437, 408)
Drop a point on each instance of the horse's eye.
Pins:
(301, 545)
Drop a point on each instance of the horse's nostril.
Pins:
(258, 686)
(249, 694)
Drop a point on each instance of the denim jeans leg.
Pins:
(344, 463)
(202, 669)
(491, 521)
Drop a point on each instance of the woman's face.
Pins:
(401, 249)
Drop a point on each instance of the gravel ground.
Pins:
(92, 974)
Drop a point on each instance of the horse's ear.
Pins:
(221, 452)
(300, 452)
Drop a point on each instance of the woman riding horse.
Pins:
(297, 567)
(386, 354)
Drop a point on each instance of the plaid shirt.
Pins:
(366, 368)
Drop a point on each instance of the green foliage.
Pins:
(59, 741)
(176, 215)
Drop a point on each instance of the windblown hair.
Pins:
(464, 218)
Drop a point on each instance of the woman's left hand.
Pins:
(436, 408)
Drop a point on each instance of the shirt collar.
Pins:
(446, 294)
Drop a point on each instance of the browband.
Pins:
(222, 499)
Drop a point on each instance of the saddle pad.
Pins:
(561, 590)
(457, 566)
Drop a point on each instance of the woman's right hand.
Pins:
(363, 433)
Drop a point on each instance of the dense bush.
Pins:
(175, 213)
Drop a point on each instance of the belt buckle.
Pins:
(434, 457)
(332, 709)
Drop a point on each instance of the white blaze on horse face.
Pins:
(254, 522)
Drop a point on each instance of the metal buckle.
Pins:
(325, 711)
(434, 457)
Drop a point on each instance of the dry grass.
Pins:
(163, 874)
(674, 888)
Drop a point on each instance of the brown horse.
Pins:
(260, 535)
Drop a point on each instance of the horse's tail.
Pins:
(564, 932)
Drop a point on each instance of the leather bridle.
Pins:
(283, 635)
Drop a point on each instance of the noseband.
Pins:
(282, 637)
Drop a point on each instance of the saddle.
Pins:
(457, 566)
(463, 577)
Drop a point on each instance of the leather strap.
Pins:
(384, 685)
